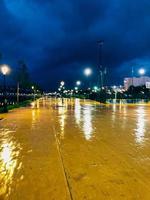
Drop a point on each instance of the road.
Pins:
(80, 150)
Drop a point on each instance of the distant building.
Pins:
(143, 80)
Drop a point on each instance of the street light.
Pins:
(87, 71)
(62, 83)
(78, 83)
(115, 90)
(5, 70)
(142, 71)
(95, 88)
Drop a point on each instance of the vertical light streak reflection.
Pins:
(77, 111)
(124, 118)
(62, 118)
(37, 104)
(87, 122)
(8, 163)
(35, 117)
(33, 105)
(140, 130)
(114, 108)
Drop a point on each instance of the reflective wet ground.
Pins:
(80, 150)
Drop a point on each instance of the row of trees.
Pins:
(133, 94)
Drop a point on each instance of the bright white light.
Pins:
(62, 83)
(5, 69)
(78, 83)
(141, 71)
(87, 123)
(140, 130)
(32, 87)
(87, 71)
(95, 88)
(76, 88)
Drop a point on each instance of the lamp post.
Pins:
(5, 71)
(132, 75)
(142, 71)
(33, 88)
(78, 83)
(100, 44)
(87, 72)
(115, 90)
(62, 83)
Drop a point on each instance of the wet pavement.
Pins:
(80, 150)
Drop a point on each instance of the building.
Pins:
(143, 80)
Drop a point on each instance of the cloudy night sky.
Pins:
(58, 38)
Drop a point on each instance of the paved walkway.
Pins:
(78, 151)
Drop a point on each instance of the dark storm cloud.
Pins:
(58, 38)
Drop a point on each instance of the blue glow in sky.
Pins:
(57, 38)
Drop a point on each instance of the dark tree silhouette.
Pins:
(22, 75)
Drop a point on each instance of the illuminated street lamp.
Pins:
(95, 88)
(62, 83)
(78, 83)
(5, 70)
(115, 90)
(87, 71)
(142, 71)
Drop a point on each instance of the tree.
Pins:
(22, 75)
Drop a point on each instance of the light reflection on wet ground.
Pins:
(104, 151)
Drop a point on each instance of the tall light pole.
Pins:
(100, 44)
(132, 75)
(115, 90)
(62, 84)
(5, 69)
